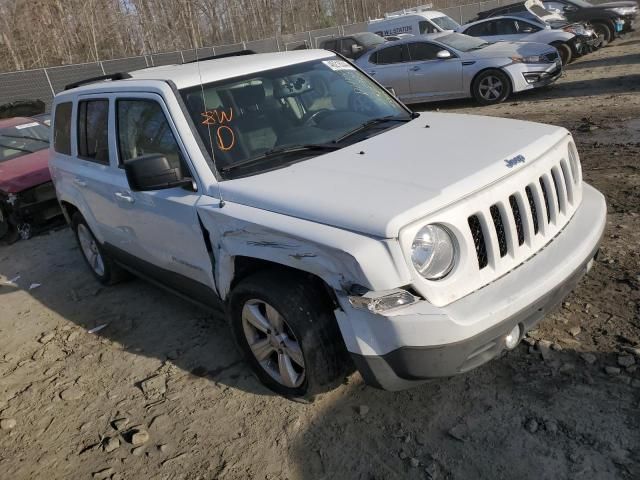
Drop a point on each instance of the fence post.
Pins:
(102, 67)
(182, 56)
(460, 8)
(53, 92)
(311, 44)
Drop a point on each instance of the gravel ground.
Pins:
(160, 392)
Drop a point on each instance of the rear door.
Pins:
(390, 68)
(430, 76)
(162, 229)
(93, 171)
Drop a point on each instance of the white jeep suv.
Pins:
(327, 219)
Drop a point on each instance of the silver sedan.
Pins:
(443, 66)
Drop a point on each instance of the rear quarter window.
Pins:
(62, 128)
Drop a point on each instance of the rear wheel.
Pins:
(491, 86)
(604, 33)
(101, 266)
(287, 333)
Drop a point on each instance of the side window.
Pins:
(506, 27)
(93, 139)
(480, 30)
(62, 128)
(426, 27)
(526, 27)
(391, 55)
(345, 46)
(423, 51)
(329, 45)
(144, 130)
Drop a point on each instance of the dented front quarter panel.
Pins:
(341, 258)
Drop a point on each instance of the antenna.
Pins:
(204, 103)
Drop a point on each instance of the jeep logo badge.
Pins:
(512, 162)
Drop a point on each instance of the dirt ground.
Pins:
(160, 392)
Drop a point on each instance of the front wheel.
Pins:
(604, 33)
(287, 333)
(564, 51)
(490, 87)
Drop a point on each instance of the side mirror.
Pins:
(153, 172)
(570, 8)
(443, 54)
(356, 49)
(391, 90)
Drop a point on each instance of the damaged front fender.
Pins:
(339, 257)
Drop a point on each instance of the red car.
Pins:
(27, 196)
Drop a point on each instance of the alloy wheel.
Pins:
(90, 250)
(273, 343)
(491, 88)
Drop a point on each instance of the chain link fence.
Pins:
(44, 83)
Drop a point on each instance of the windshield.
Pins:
(323, 104)
(22, 140)
(445, 23)
(461, 42)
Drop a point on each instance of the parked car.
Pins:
(606, 21)
(443, 66)
(27, 196)
(323, 216)
(352, 46)
(514, 29)
(587, 39)
(416, 21)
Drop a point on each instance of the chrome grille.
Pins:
(526, 213)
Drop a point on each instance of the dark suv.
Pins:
(353, 46)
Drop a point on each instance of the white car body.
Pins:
(545, 35)
(418, 23)
(348, 217)
(443, 79)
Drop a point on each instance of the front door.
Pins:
(430, 76)
(161, 229)
(389, 67)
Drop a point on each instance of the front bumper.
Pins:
(421, 341)
(34, 207)
(529, 76)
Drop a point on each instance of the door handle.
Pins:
(372, 73)
(79, 182)
(414, 69)
(124, 197)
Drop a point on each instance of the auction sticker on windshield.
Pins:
(26, 125)
(338, 65)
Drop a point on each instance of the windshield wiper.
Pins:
(280, 151)
(369, 124)
(16, 148)
(26, 138)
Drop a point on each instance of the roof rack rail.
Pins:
(224, 55)
(113, 76)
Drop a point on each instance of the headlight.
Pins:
(433, 252)
(530, 59)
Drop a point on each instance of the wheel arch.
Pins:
(486, 69)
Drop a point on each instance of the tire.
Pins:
(603, 31)
(292, 330)
(491, 87)
(101, 266)
(565, 53)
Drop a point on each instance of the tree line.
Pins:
(40, 33)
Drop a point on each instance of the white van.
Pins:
(415, 21)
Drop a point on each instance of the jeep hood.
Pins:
(379, 185)
(25, 172)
